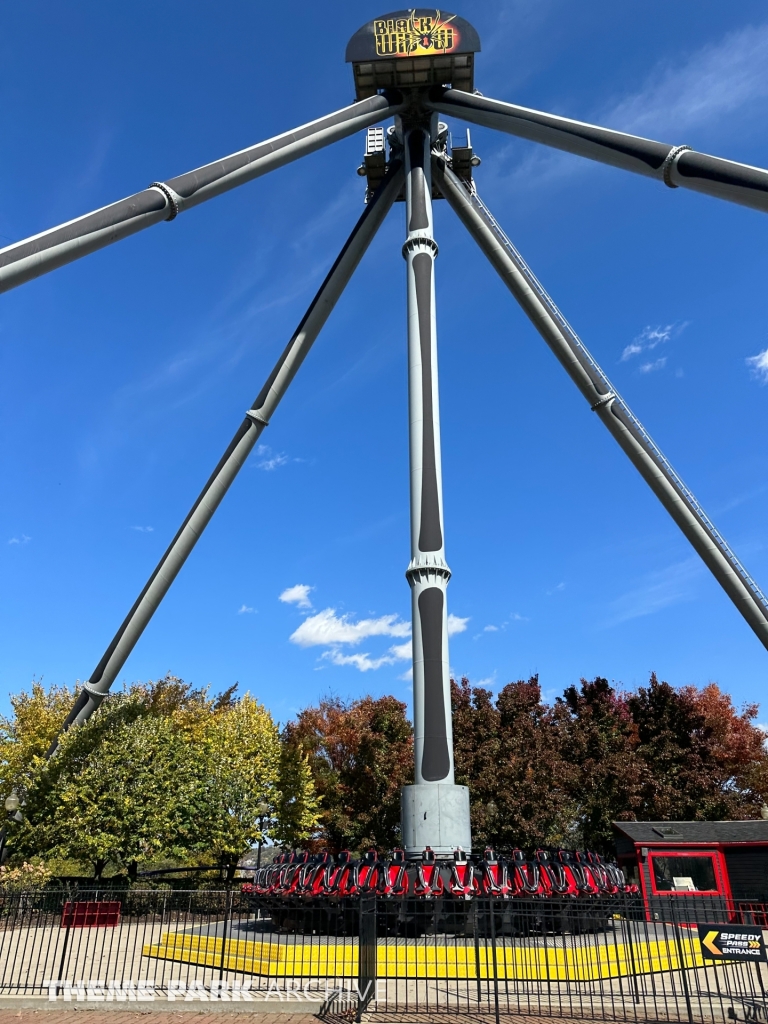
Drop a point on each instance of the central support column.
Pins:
(435, 812)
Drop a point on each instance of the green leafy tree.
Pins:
(296, 815)
(250, 781)
(120, 789)
(26, 736)
(161, 770)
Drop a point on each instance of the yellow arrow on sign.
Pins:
(709, 943)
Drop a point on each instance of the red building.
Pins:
(721, 863)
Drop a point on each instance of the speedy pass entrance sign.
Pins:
(731, 942)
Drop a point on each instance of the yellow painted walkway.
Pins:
(333, 960)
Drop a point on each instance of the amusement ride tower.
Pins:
(412, 66)
(435, 811)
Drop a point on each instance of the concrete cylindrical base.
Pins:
(435, 815)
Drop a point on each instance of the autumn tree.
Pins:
(360, 754)
(703, 760)
(509, 753)
(605, 775)
(734, 750)
(244, 769)
(295, 816)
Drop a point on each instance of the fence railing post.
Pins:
(367, 951)
(476, 938)
(227, 916)
(492, 916)
(629, 909)
(681, 960)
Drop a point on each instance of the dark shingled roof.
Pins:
(694, 831)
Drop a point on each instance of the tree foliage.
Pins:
(161, 770)
(541, 775)
(26, 736)
(360, 755)
(605, 777)
(166, 770)
(509, 754)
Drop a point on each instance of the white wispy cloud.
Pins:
(245, 610)
(456, 625)
(298, 595)
(714, 91)
(656, 364)
(715, 82)
(327, 628)
(402, 652)
(491, 628)
(22, 539)
(364, 662)
(488, 683)
(758, 366)
(660, 589)
(556, 589)
(143, 529)
(267, 459)
(647, 340)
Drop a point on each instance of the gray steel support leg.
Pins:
(256, 419)
(163, 200)
(603, 398)
(675, 166)
(427, 573)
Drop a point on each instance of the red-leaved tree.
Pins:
(361, 755)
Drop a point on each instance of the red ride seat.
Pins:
(374, 876)
(600, 876)
(582, 879)
(555, 879)
(289, 879)
(491, 876)
(527, 875)
(428, 882)
(331, 876)
(311, 875)
(398, 874)
(346, 882)
(282, 865)
(461, 881)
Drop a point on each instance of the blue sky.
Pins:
(125, 374)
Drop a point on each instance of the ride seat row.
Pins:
(560, 873)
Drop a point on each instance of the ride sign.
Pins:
(731, 942)
(418, 32)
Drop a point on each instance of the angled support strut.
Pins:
(256, 418)
(606, 402)
(41, 253)
(676, 166)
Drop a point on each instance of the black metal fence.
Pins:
(601, 958)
